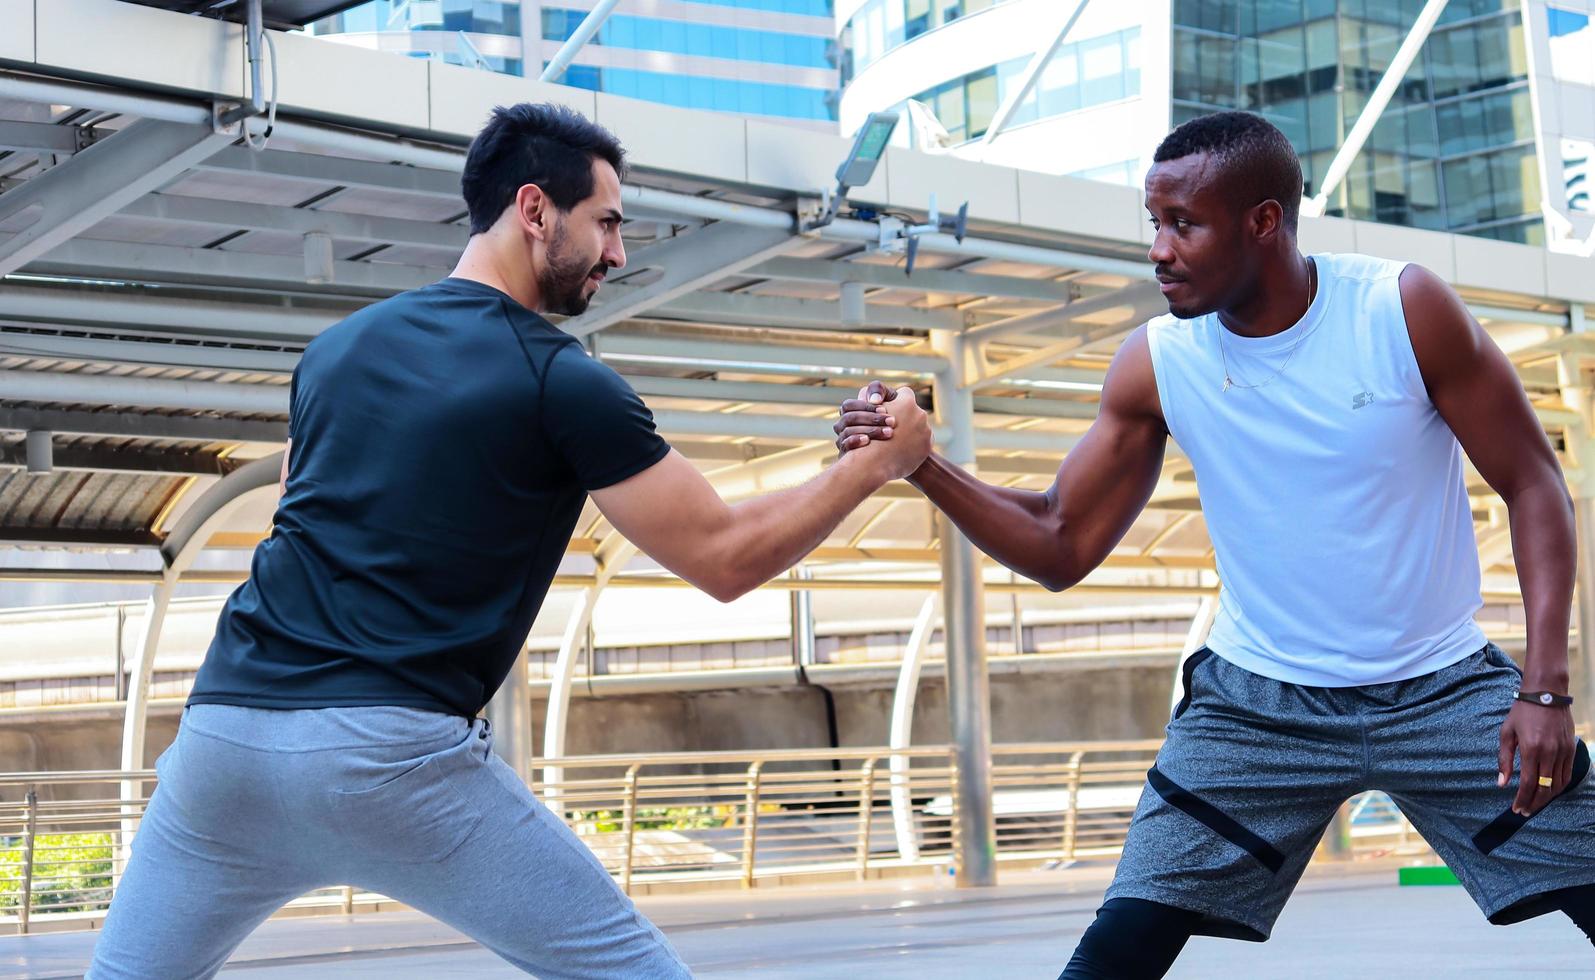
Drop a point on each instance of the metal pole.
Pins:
(750, 826)
(29, 831)
(629, 825)
(964, 630)
(584, 32)
(866, 815)
(510, 715)
(1363, 128)
(802, 621)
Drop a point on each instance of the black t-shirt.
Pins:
(444, 442)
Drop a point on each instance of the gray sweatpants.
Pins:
(256, 807)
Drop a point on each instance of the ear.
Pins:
(1267, 220)
(534, 211)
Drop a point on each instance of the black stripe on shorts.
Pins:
(1503, 827)
(1215, 820)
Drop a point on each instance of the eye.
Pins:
(1153, 222)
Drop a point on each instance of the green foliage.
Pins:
(71, 872)
(650, 818)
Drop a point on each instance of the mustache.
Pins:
(601, 269)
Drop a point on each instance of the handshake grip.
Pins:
(887, 421)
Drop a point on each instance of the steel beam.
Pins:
(36, 137)
(99, 389)
(923, 279)
(182, 209)
(689, 262)
(279, 321)
(123, 349)
(133, 425)
(743, 309)
(330, 171)
(133, 262)
(1140, 297)
(107, 459)
(96, 183)
(709, 354)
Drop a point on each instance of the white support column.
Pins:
(901, 734)
(564, 676)
(136, 712)
(964, 628)
(509, 712)
(1363, 128)
(184, 544)
(1195, 639)
(1581, 446)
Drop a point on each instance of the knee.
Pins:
(1131, 939)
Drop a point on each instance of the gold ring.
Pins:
(1547, 781)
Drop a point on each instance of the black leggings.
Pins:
(1133, 939)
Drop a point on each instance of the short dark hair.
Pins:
(1255, 159)
(550, 145)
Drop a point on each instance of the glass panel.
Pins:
(1572, 42)
(1577, 159)
(982, 89)
(1205, 69)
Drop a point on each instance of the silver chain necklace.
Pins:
(1229, 382)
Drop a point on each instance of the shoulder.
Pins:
(569, 363)
(1444, 335)
(1130, 388)
(1353, 266)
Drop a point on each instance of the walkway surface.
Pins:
(1339, 925)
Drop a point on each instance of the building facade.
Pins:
(769, 58)
(1491, 131)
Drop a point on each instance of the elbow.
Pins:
(726, 586)
(1058, 580)
(1062, 572)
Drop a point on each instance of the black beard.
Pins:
(562, 282)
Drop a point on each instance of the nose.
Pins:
(614, 251)
(1160, 253)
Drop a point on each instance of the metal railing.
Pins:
(684, 818)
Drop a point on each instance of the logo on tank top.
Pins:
(1361, 399)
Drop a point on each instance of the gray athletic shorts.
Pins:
(1254, 769)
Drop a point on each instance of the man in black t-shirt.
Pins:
(442, 445)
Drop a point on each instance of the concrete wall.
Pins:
(1056, 702)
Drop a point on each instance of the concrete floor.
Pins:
(1338, 925)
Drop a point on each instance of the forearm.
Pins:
(1545, 543)
(765, 536)
(1018, 528)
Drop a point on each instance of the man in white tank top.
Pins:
(1325, 404)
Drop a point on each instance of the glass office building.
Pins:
(1491, 132)
(1456, 150)
(772, 58)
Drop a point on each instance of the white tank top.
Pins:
(1333, 494)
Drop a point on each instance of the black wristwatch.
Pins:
(1545, 699)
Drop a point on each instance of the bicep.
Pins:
(1106, 481)
(667, 510)
(1473, 385)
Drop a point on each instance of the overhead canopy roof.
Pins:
(278, 13)
(161, 280)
